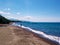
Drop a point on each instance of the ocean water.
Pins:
(50, 30)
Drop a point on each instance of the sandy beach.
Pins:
(13, 35)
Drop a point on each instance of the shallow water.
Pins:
(48, 28)
(50, 31)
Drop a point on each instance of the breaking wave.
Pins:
(41, 34)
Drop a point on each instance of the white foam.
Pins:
(42, 34)
(54, 38)
(16, 24)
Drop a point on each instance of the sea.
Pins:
(50, 30)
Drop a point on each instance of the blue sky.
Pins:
(31, 10)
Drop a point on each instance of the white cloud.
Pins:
(7, 9)
(18, 13)
(27, 18)
(35, 19)
(30, 18)
(10, 17)
(2, 12)
(39, 19)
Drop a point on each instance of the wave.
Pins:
(41, 34)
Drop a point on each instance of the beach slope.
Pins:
(13, 35)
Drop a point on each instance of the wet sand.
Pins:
(13, 35)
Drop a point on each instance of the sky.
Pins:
(31, 10)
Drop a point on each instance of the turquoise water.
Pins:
(46, 27)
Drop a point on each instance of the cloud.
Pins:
(10, 17)
(34, 19)
(27, 18)
(39, 19)
(18, 13)
(7, 9)
(2, 12)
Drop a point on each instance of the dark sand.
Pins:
(13, 35)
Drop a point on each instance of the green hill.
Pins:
(3, 20)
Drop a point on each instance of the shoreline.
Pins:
(41, 34)
(26, 33)
(44, 39)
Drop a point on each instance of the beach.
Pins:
(14, 35)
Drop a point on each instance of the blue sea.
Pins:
(49, 28)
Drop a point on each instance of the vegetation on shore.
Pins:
(3, 20)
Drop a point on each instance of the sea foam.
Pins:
(41, 34)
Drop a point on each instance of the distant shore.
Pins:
(14, 35)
